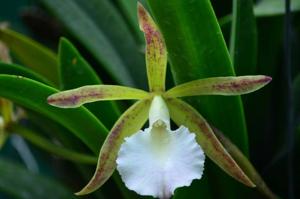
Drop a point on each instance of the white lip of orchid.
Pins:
(158, 160)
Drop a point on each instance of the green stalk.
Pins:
(44, 144)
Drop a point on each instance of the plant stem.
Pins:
(44, 144)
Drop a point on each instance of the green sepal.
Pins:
(129, 123)
(183, 114)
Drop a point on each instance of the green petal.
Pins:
(129, 123)
(76, 97)
(220, 86)
(184, 114)
(156, 54)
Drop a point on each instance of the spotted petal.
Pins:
(220, 86)
(76, 97)
(130, 122)
(184, 114)
(156, 54)
(156, 161)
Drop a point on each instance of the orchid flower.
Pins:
(157, 160)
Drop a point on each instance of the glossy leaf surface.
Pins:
(32, 54)
(199, 51)
(112, 45)
(243, 40)
(33, 95)
(76, 72)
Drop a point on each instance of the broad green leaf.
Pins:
(129, 123)
(118, 33)
(245, 165)
(33, 95)
(80, 18)
(156, 53)
(220, 86)
(243, 40)
(274, 7)
(183, 114)
(32, 54)
(196, 49)
(76, 72)
(20, 183)
(14, 69)
(76, 97)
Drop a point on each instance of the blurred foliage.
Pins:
(105, 45)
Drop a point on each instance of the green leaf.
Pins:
(32, 54)
(33, 95)
(243, 41)
(112, 45)
(20, 183)
(129, 123)
(197, 50)
(14, 69)
(76, 72)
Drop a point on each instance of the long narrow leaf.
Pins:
(32, 54)
(115, 28)
(83, 28)
(76, 72)
(243, 40)
(33, 95)
(196, 50)
(14, 69)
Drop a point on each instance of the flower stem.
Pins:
(44, 144)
